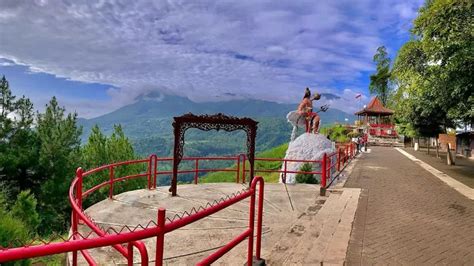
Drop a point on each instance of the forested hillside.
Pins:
(148, 124)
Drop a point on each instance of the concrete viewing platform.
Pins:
(298, 225)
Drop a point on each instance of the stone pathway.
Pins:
(463, 171)
(406, 215)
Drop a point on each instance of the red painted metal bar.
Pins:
(243, 167)
(80, 244)
(160, 238)
(323, 175)
(106, 239)
(285, 168)
(258, 247)
(150, 162)
(223, 250)
(80, 215)
(155, 169)
(111, 186)
(251, 225)
(130, 254)
(74, 233)
(143, 253)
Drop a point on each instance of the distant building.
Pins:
(375, 122)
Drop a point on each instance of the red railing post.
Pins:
(238, 170)
(251, 225)
(155, 170)
(196, 171)
(259, 218)
(322, 191)
(284, 171)
(143, 253)
(111, 186)
(338, 159)
(75, 218)
(150, 165)
(130, 254)
(160, 238)
(243, 167)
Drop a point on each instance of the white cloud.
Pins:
(200, 49)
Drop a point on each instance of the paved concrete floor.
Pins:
(308, 229)
(463, 171)
(406, 215)
(191, 243)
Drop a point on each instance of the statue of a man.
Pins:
(305, 109)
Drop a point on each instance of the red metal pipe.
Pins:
(81, 244)
(155, 169)
(143, 252)
(130, 254)
(251, 225)
(115, 240)
(223, 250)
(74, 232)
(160, 238)
(285, 171)
(149, 171)
(243, 168)
(323, 171)
(258, 246)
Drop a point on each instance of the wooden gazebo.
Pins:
(376, 119)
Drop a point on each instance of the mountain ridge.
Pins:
(148, 121)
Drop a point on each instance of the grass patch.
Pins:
(277, 152)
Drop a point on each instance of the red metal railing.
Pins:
(330, 164)
(77, 242)
(382, 130)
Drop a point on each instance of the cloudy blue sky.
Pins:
(96, 56)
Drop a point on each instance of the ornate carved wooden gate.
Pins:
(206, 123)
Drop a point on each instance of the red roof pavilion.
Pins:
(375, 108)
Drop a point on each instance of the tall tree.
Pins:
(7, 106)
(434, 70)
(101, 150)
(59, 155)
(18, 142)
(380, 81)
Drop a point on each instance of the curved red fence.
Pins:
(331, 164)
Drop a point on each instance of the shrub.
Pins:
(306, 178)
(12, 232)
(24, 209)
